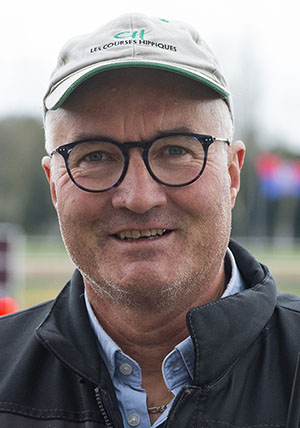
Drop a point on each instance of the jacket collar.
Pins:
(224, 329)
(67, 333)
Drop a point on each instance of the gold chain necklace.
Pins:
(158, 409)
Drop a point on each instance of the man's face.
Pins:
(187, 261)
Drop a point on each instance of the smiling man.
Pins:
(166, 322)
(144, 244)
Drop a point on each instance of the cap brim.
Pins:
(62, 90)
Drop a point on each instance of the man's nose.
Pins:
(138, 192)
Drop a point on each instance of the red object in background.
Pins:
(8, 305)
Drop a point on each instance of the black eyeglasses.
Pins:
(175, 160)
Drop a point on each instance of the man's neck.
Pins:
(148, 335)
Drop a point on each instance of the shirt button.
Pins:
(134, 419)
(126, 369)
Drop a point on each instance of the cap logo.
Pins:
(133, 38)
(137, 34)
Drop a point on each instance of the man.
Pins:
(162, 324)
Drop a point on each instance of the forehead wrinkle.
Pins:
(153, 116)
(62, 122)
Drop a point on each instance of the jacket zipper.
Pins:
(102, 409)
(187, 390)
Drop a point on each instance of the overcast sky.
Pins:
(257, 43)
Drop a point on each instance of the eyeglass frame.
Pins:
(205, 140)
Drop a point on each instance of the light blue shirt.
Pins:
(177, 367)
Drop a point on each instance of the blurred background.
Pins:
(256, 43)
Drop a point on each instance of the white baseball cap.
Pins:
(135, 40)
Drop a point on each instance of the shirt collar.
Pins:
(106, 346)
(236, 283)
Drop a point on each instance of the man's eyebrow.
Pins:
(87, 136)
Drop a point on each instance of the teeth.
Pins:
(136, 234)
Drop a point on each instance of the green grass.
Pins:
(284, 264)
(48, 268)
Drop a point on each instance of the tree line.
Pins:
(24, 193)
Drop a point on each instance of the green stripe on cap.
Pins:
(173, 69)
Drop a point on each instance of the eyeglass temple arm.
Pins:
(225, 140)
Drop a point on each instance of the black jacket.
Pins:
(246, 348)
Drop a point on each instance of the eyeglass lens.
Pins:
(174, 160)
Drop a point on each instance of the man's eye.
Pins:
(95, 157)
(175, 151)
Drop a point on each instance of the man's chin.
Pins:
(141, 292)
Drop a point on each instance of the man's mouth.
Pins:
(139, 234)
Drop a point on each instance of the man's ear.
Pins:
(46, 164)
(236, 155)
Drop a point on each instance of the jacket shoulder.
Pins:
(287, 321)
(20, 326)
(289, 302)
